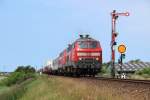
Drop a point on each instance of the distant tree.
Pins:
(19, 69)
(26, 69)
(135, 61)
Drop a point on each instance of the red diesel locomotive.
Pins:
(83, 57)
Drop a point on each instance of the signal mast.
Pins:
(114, 34)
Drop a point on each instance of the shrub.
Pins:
(16, 78)
(15, 92)
(21, 74)
(26, 69)
(144, 71)
(105, 68)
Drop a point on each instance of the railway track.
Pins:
(130, 89)
(120, 80)
(114, 79)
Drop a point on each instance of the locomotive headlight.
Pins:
(97, 59)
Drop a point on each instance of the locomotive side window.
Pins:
(87, 44)
(69, 48)
(73, 45)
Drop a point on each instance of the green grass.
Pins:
(14, 86)
(52, 88)
(145, 72)
(140, 77)
(16, 78)
(43, 89)
(14, 92)
(3, 88)
(2, 77)
(58, 88)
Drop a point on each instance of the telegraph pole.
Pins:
(114, 34)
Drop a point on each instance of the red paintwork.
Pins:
(89, 50)
(62, 59)
(73, 57)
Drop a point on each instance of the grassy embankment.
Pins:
(61, 88)
(14, 86)
(57, 88)
(14, 92)
(2, 88)
(2, 77)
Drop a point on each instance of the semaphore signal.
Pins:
(114, 34)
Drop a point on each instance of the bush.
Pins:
(105, 68)
(15, 92)
(145, 71)
(26, 69)
(16, 78)
(21, 74)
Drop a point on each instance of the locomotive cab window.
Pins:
(93, 44)
(87, 44)
(83, 44)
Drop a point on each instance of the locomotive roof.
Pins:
(86, 39)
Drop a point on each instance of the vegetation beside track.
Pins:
(105, 71)
(26, 85)
(55, 88)
(142, 74)
(14, 86)
(64, 88)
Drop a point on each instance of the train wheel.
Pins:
(76, 72)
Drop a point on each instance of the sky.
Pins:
(34, 31)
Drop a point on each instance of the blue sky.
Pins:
(33, 31)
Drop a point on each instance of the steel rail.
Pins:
(120, 80)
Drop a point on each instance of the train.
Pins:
(81, 58)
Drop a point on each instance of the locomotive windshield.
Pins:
(87, 44)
